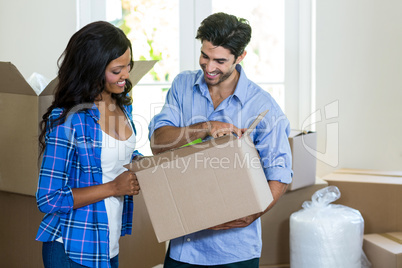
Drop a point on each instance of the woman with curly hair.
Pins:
(87, 135)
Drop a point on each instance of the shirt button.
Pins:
(188, 239)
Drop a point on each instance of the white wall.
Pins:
(33, 34)
(359, 72)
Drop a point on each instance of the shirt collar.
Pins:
(241, 87)
(94, 112)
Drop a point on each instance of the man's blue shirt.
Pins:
(189, 102)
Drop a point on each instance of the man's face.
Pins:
(217, 63)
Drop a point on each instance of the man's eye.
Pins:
(220, 62)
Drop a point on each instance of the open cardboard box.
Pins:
(376, 194)
(203, 185)
(384, 250)
(21, 110)
(303, 146)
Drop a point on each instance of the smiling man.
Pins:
(215, 101)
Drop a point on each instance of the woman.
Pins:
(87, 136)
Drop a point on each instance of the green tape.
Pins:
(193, 142)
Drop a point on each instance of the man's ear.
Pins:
(241, 57)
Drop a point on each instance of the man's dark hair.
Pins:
(225, 30)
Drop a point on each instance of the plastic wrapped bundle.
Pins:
(326, 235)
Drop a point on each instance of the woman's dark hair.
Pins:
(225, 30)
(81, 75)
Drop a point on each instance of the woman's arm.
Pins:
(124, 184)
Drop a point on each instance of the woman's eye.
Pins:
(115, 72)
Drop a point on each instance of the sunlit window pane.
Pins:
(147, 101)
(265, 60)
(265, 54)
(153, 28)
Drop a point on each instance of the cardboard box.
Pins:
(203, 185)
(20, 223)
(21, 110)
(376, 194)
(304, 161)
(275, 224)
(384, 250)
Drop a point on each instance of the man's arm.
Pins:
(170, 137)
(277, 190)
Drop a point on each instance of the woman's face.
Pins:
(116, 73)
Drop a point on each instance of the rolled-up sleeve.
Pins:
(54, 195)
(272, 143)
(171, 113)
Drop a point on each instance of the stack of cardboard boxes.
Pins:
(378, 197)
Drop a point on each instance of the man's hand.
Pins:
(277, 190)
(218, 129)
(169, 137)
(239, 223)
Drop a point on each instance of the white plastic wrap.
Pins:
(326, 235)
(38, 82)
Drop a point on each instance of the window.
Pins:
(279, 56)
(265, 60)
(153, 28)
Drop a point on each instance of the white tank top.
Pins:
(115, 154)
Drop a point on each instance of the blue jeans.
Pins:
(54, 256)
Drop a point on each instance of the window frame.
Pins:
(299, 47)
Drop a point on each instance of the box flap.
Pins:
(12, 81)
(365, 178)
(140, 69)
(295, 133)
(49, 89)
(255, 123)
(387, 173)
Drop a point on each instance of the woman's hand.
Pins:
(126, 184)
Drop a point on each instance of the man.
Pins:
(215, 101)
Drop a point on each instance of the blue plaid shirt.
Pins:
(72, 159)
